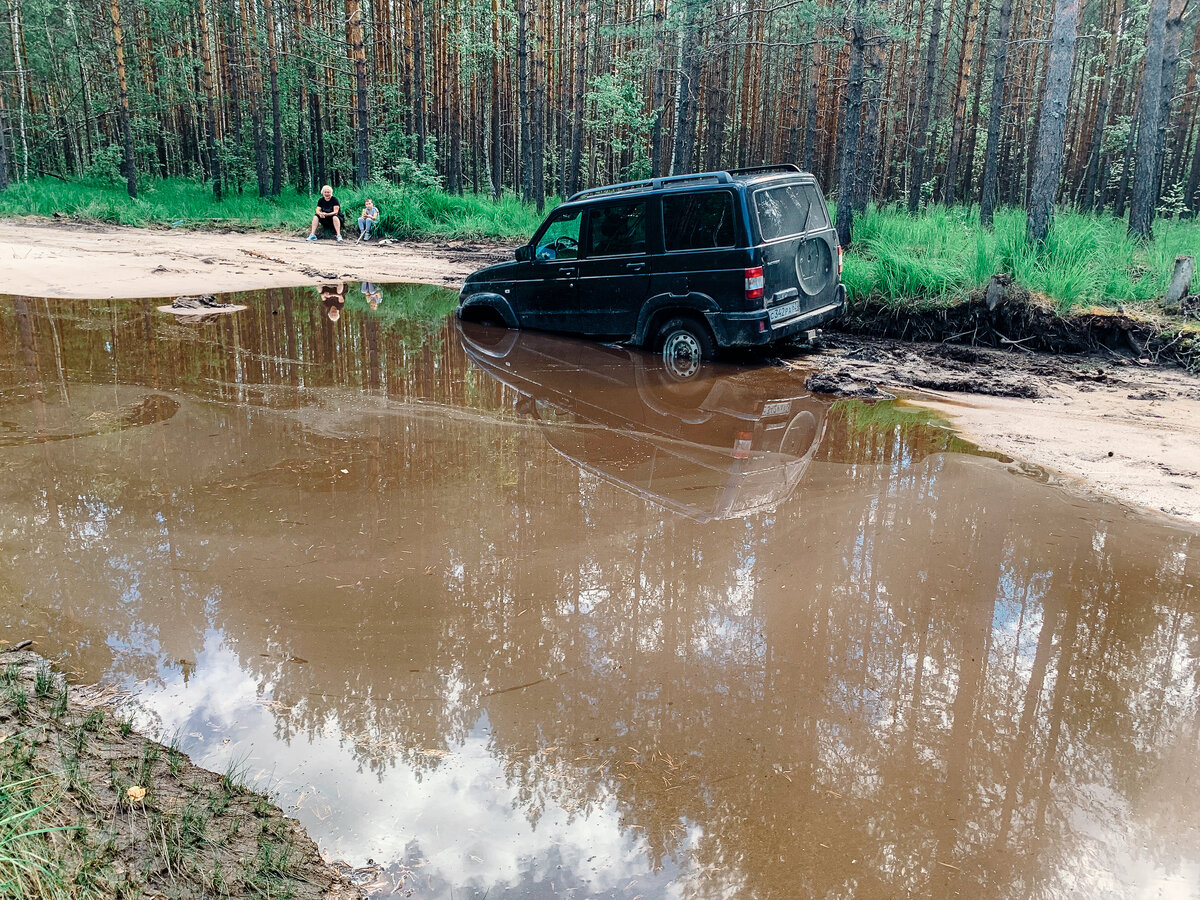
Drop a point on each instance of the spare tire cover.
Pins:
(814, 265)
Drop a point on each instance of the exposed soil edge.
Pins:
(1017, 319)
(139, 818)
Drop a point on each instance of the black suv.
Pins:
(682, 265)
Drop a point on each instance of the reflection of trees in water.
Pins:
(920, 675)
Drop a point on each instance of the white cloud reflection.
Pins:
(455, 824)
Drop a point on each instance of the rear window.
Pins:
(618, 229)
(698, 221)
(789, 209)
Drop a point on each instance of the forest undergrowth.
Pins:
(898, 260)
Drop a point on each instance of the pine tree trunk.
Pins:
(1091, 174)
(917, 172)
(1192, 191)
(966, 59)
(1141, 208)
(684, 147)
(581, 56)
(3, 146)
(276, 112)
(987, 200)
(848, 139)
(418, 36)
(868, 147)
(1172, 31)
(972, 135)
(258, 133)
(123, 88)
(524, 100)
(1052, 123)
(358, 57)
(810, 113)
(497, 159)
(656, 98)
(210, 101)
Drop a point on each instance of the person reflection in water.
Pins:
(333, 296)
(372, 293)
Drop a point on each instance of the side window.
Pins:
(698, 221)
(617, 230)
(560, 240)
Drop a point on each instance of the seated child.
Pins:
(370, 215)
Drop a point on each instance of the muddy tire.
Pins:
(684, 344)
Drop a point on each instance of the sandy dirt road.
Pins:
(101, 262)
(1105, 425)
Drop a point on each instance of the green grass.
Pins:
(943, 253)
(29, 863)
(901, 260)
(405, 212)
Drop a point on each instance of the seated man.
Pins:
(328, 214)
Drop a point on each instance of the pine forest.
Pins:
(1025, 103)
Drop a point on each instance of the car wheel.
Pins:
(684, 344)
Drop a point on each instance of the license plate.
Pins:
(778, 408)
(786, 311)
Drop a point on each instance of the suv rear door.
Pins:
(799, 248)
(614, 268)
(700, 234)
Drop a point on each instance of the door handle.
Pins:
(635, 267)
(567, 272)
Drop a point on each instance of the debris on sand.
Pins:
(201, 305)
(201, 301)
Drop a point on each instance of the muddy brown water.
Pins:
(517, 616)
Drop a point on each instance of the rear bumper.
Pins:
(755, 328)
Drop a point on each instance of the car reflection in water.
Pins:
(715, 442)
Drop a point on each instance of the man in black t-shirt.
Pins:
(328, 214)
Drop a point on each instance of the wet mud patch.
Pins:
(871, 367)
(91, 808)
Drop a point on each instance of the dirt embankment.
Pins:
(126, 816)
(1006, 316)
(1105, 415)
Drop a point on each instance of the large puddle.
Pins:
(517, 616)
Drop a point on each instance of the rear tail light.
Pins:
(839, 260)
(741, 447)
(754, 283)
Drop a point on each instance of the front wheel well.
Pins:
(482, 314)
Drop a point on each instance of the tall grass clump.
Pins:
(29, 863)
(942, 254)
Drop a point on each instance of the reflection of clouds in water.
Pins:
(460, 817)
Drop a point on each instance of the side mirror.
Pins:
(524, 254)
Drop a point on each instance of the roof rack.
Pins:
(762, 170)
(653, 184)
